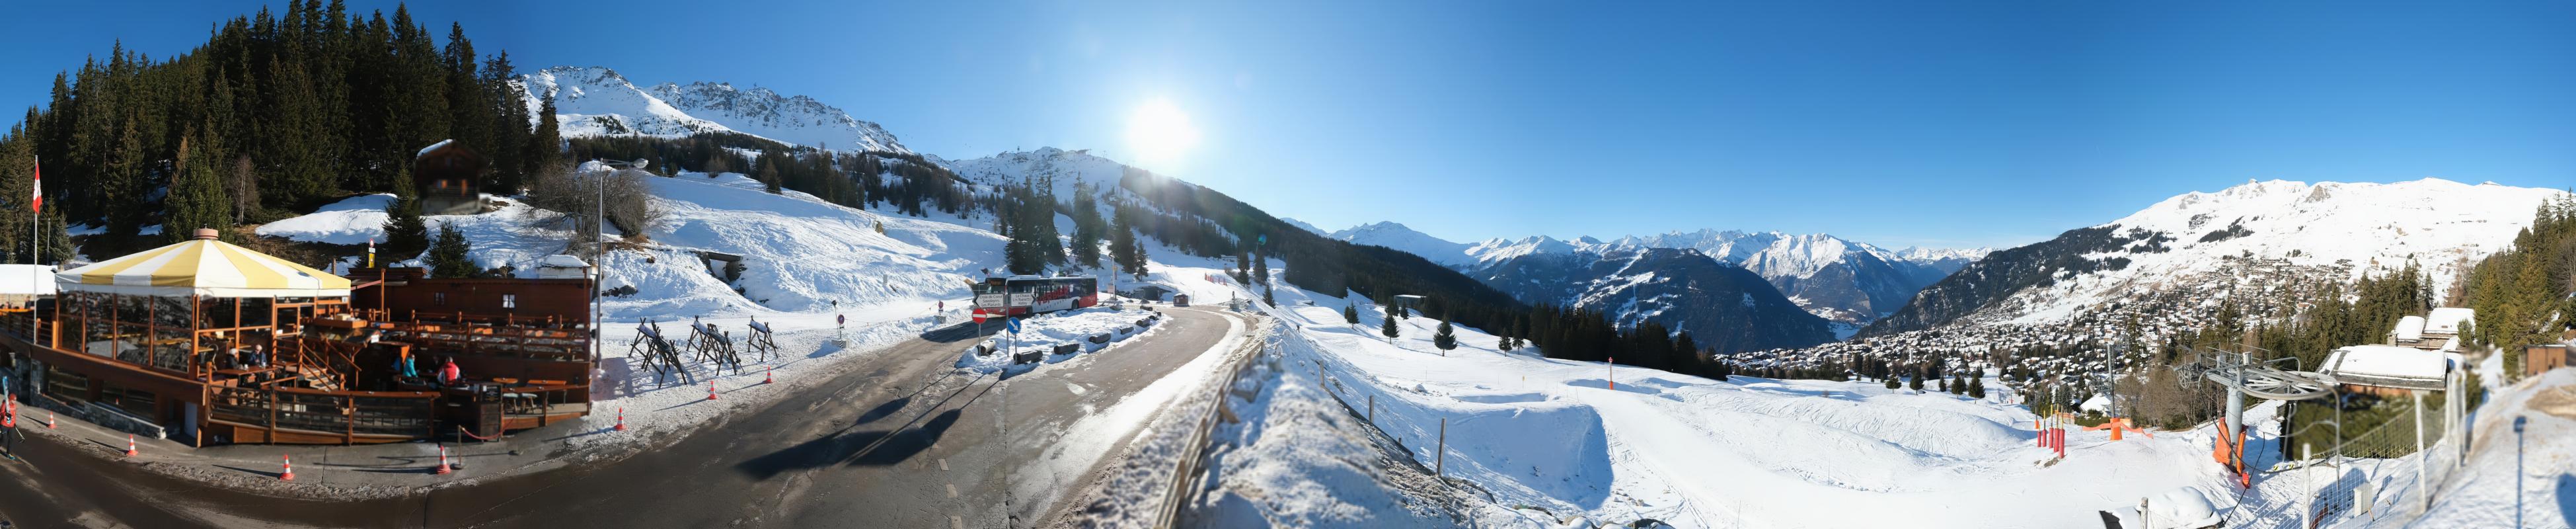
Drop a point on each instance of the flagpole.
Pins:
(35, 221)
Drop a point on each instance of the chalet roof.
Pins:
(2387, 366)
(2410, 328)
(2446, 320)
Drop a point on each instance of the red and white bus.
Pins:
(1024, 295)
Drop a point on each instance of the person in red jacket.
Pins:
(449, 375)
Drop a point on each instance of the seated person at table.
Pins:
(449, 375)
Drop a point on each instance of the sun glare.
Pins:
(1160, 133)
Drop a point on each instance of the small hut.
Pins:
(446, 174)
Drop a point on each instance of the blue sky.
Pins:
(1896, 123)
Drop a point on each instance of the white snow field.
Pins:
(1537, 442)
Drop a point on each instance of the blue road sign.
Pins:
(1014, 325)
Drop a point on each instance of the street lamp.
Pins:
(599, 246)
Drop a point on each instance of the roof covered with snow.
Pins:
(2387, 366)
(2446, 320)
(2410, 328)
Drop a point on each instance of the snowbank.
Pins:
(1046, 332)
(353, 220)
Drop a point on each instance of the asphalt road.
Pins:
(901, 440)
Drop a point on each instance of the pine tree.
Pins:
(452, 255)
(1977, 388)
(1265, 296)
(1445, 337)
(1942, 385)
(1917, 383)
(1260, 269)
(405, 235)
(1243, 268)
(1891, 383)
(1387, 325)
(545, 145)
(769, 179)
(1351, 314)
(196, 197)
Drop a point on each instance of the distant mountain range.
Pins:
(1827, 276)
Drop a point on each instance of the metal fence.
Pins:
(2381, 476)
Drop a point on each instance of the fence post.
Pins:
(1440, 464)
(2423, 483)
(1372, 413)
(2307, 487)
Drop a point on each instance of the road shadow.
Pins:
(961, 331)
(870, 447)
(260, 473)
(884, 410)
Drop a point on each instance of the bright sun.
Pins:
(1160, 133)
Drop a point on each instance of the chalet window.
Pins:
(439, 298)
(509, 301)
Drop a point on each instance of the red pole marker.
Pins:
(621, 418)
(442, 460)
(769, 376)
(711, 390)
(290, 469)
(129, 445)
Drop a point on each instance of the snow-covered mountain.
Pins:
(1829, 276)
(1723, 307)
(597, 101)
(1303, 225)
(1397, 236)
(2203, 245)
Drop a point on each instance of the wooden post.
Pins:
(1440, 464)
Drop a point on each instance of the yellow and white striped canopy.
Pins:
(203, 267)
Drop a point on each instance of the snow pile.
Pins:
(1046, 332)
(353, 220)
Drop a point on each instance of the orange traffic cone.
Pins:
(290, 469)
(711, 390)
(129, 445)
(769, 376)
(442, 460)
(49, 420)
(621, 418)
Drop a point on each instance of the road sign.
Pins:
(1014, 325)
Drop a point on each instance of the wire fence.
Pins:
(2383, 475)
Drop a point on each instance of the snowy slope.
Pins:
(2206, 244)
(597, 101)
(1552, 444)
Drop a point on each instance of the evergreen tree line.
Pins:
(2526, 295)
(276, 112)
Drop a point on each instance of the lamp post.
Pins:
(599, 245)
(2517, 469)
